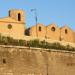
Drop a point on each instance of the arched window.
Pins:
(39, 28)
(19, 17)
(66, 31)
(53, 28)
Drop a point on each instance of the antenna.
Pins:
(35, 13)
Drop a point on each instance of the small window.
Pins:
(4, 61)
(19, 17)
(39, 28)
(53, 28)
(66, 31)
(9, 26)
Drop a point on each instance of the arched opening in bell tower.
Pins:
(19, 17)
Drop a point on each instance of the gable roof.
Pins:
(66, 26)
(37, 25)
(53, 24)
(9, 20)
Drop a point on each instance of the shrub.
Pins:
(10, 40)
(57, 46)
(3, 40)
(22, 43)
(34, 43)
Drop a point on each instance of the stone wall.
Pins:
(32, 61)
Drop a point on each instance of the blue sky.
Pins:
(60, 12)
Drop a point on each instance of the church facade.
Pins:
(15, 26)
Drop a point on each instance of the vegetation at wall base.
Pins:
(34, 43)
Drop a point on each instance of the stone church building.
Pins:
(14, 25)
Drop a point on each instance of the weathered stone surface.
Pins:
(25, 61)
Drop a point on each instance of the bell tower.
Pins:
(17, 15)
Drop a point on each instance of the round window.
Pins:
(9, 26)
(53, 28)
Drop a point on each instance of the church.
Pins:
(14, 25)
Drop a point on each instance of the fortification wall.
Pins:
(31, 61)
